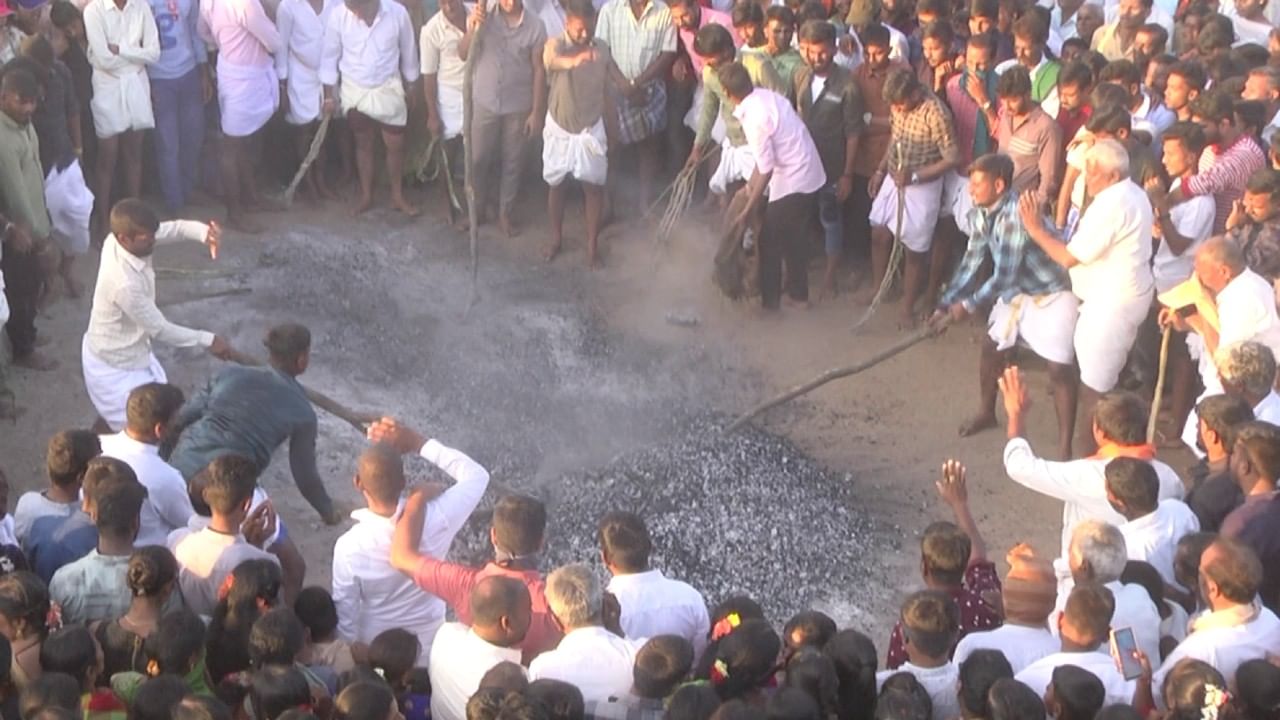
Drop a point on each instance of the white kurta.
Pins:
(298, 63)
(121, 91)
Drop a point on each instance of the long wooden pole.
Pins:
(357, 420)
(1155, 401)
(469, 163)
(313, 152)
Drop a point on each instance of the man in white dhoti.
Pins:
(248, 93)
(442, 76)
(368, 44)
(579, 109)
(116, 352)
(123, 40)
(1032, 296)
(1109, 260)
(922, 150)
(301, 25)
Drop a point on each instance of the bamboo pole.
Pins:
(1155, 401)
(313, 152)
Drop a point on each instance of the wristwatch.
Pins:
(915, 178)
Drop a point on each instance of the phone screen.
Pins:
(1123, 647)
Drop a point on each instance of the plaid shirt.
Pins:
(1261, 245)
(1021, 267)
(922, 136)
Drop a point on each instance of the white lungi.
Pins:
(582, 155)
(952, 184)
(691, 117)
(920, 217)
(1104, 335)
(306, 94)
(121, 102)
(248, 96)
(109, 387)
(737, 163)
(1045, 323)
(450, 102)
(70, 206)
(384, 103)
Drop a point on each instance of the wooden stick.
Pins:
(355, 419)
(313, 152)
(469, 163)
(914, 338)
(1155, 401)
(895, 254)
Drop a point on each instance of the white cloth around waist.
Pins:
(109, 387)
(1104, 335)
(121, 102)
(306, 94)
(920, 216)
(583, 156)
(70, 204)
(1046, 323)
(384, 103)
(737, 163)
(248, 96)
(450, 102)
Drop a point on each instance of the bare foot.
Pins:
(906, 319)
(504, 224)
(37, 361)
(364, 204)
(461, 224)
(405, 206)
(241, 223)
(977, 424)
(593, 261)
(552, 251)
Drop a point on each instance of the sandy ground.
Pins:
(558, 370)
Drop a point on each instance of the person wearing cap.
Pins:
(1029, 594)
(123, 40)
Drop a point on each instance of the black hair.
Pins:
(229, 482)
(50, 690)
(1089, 609)
(1015, 82)
(364, 701)
(287, 342)
(1236, 570)
(989, 9)
(623, 537)
(808, 628)
(735, 80)
(692, 702)
(1214, 107)
(747, 657)
(781, 13)
(1080, 694)
(150, 405)
(519, 524)
(394, 652)
(233, 617)
(560, 700)
(581, 9)
(944, 550)
(1261, 442)
(814, 673)
(485, 704)
(661, 665)
(941, 31)
(855, 660)
(875, 35)
(276, 638)
(70, 650)
(157, 698)
(1119, 711)
(1122, 417)
(68, 456)
(131, 217)
(1186, 556)
(21, 82)
(63, 12)
(1135, 483)
(1264, 181)
(1122, 71)
(1184, 687)
(118, 505)
(738, 710)
(995, 165)
(506, 675)
(1192, 72)
(1258, 689)
(817, 32)
(314, 607)
(151, 569)
(277, 688)
(746, 13)
(176, 642)
(1191, 135)
(201, 707)
(900, 86)
(903, 698)
(1012, 700)
(987, 42)
(24, 598)
(792, 704)
(978, 673)
(1138, 572)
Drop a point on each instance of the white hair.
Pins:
(574, 595)
(1108, 156)
(1249, 365)
(1102, 546)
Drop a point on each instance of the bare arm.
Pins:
(953, 487)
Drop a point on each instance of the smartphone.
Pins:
(1123, 647)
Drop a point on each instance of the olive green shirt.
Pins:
(786, 64)
(762, 73)
(22, 177)
(575, 98)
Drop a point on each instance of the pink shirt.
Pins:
(242, 31)
(781, 144)
(708, 17)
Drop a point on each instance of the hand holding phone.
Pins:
(1124, 648)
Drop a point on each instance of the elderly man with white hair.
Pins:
(1248, 371)
(1098, 554)
(1109, 261)
(589, 656)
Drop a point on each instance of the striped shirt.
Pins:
(1034, 143)
(1223, 173)
(636, 43)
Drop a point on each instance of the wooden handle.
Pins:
(357, 420)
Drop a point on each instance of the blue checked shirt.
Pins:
(1021, 267)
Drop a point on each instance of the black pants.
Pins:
(22, 289)
(857, 228)
(788, 223)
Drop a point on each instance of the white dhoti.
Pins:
(1104, 335)
(70, 206)
(450, 101)
(953, 183)
(384, 103)
(584, 155)
(248, 96)
(109, 386)
(920, 217)
(695, 111)
(737, 163)
(306, 94)
(121, 102)
(1045, 323)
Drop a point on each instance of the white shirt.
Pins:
(132, 29)
(1153, 537)
(168, 505)
(1040, 673)
(1246, 312)
(592, 658)
(124, 319)
(653, 605)
(205, 559)
(1020, 644)
(7, 534)
(1134, 610)
(1250, 31)
(940, 682)
(34, 505)
(635, 44)
(370, 595)
(1162, 16)
(1268, 409)
(439, 48)
(459, 660)
(369, 55)
(1153, 117)
(781, 144)
(200, 522)
(1080, 484)
(301, 35)
(1193, 219)
(1271, 10)
(1113, 244)
(1065, 29)
(1227, 647)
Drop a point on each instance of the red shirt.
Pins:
(453, 583)
(1071, 122)
(977, 611)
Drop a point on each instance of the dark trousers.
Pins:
(499, 150)
(785, 237)
(22, 290)
(179, 135)
(857, 231)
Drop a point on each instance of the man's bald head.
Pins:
(380, 473)
(501, 608)
(1222, 250)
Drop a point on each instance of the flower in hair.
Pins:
(719, 672)
(225, 588)
(53, 618)
(380, 673)
(1214, 698)
(726, 625)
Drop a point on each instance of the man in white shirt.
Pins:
(1119, 428)
(1084, 626)
(1263, 85)
(930, 622)
(207, 556)
(788, 166)
(1109, 260)
(589, 656)
(1247, 371)
(1153, 527)
(1028, 595)
(168, 507)
(1236, 627)
(442, 76)
(122, 40)
(371, 595)
(124, 320)
(369, 46)
(1062, 18)
(460, 656)
(651, 603)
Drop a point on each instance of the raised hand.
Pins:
(953, 487)
(405, 440)
(1014, 391)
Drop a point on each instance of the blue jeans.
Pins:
(179, 136)
(831, 216)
